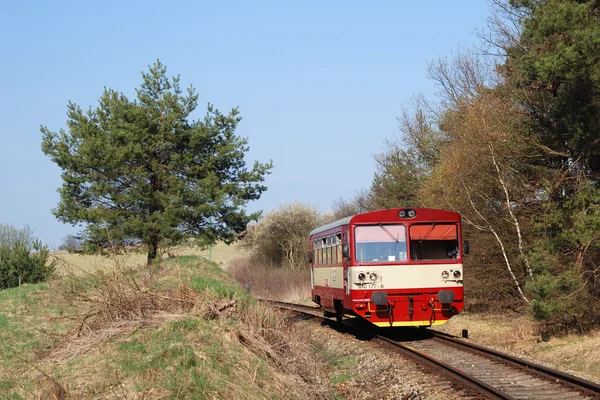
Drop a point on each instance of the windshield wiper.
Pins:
(428, 232)
(390, 233)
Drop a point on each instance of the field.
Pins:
(220, 254)
(114, 328)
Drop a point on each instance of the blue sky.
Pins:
(319, 84)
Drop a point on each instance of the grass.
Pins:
(29, 324)
(183, 329)
(68, 263)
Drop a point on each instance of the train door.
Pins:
(345, 259)
(312, 254)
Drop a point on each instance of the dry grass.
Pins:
(180, 330)
(283, 284)
(519, 335)
(69, 263)
(246, 351)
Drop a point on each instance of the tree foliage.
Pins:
(553, 73)
(513, 144)
(23, 259)
(483, 174)
(142, 171)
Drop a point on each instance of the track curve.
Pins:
(476, 368)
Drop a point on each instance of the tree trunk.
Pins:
(152, 250)
(510, 211)
(498, 239)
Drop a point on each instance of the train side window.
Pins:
(338, 246)
(319, 258)
(333, 250)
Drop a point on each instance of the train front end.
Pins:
(405, 267)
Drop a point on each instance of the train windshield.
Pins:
(383, 242)
(434, 241)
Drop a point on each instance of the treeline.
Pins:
(512, 143)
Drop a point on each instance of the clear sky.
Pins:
(319, 83)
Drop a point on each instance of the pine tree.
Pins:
(142, 171)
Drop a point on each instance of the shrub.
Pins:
(22, 258)
(280, 238)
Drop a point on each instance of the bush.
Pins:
(280, 238)
(22, 258)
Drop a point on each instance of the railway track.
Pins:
(474, 368)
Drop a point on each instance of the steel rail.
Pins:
(454, 373)
(291, 305)
(583, 386)
(588, 388)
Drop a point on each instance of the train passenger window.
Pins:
(380, 243)
(332, 254)
(319, 253)
(338, 241)
(434, 241)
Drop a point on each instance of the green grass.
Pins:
(343, 367)
(29, 323)
(341, 378)
(182, 358)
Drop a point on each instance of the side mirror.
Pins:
(466, 247)
(309, 257)
(345, 251)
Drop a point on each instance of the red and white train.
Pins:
(396, 267)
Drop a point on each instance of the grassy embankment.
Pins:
(183, 329)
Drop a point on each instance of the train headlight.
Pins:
(361, 276)
(456, 274)
(373, 276)
(445, 274)
(407, 213)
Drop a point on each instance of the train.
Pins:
(393, 268)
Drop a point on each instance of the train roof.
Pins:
(434, 214)
(335, 224)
